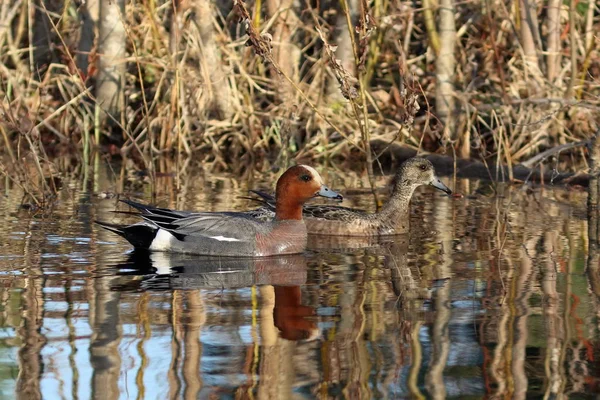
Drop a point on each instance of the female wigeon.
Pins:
(231, 233)
(392, 219)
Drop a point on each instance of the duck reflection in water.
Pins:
(280, 280)
(294, 320)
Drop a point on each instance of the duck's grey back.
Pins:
(230, 235)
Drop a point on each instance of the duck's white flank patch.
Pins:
(224, 239)
(162, 241)
(314, 173)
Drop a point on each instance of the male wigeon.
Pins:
(231, 233)
(392, 219)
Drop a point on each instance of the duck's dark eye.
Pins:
(423, 167)
(306, 178)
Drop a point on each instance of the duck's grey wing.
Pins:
(222, 234)
(262, 214)
(225, 227)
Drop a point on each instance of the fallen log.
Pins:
(394, 154)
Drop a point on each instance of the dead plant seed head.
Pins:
(262, 44)
(348, 83)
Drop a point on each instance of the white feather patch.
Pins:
(162, 263)
(162, 241)
(314, 173)
(224, 239)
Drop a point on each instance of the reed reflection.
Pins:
(288, 342)
(490, 295)
(282, 318)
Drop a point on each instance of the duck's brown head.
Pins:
(295, 187)
(415, 172)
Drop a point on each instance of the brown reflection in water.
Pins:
(348, 337)
(269, 353)
(106, 326)
(440, 331)
(32, 313)
(366, 313)
(593, 259)
(553, 319)
(518, 298)
(187, 318)
(283, 320)
(574, 345)
(391, 306)
(144, 332)
(193, 318)
(416, 364)
(293, 320)
(277, 351)
(104, 353)
(175, 384)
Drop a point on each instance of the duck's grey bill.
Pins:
(436, 183)
(326, 192)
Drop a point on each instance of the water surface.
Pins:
(487, 297)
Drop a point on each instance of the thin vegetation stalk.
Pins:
(507, 154)
(585, 68)
(316, 109)
(30, 22)
(263, 49)
(8, 147)
(23, 184)
(86, 140)
(375, 48)
(62, 41)
(62, 108)
(497, 57)
(171, 103)
(573, 44)
(38, 166)
(97, 124)
(434, 39)
(148, 160)
(257, 8)
(364, 126)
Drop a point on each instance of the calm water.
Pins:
(487, 297)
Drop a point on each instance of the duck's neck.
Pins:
(396, 210)
(288, 210)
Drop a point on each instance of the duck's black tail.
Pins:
(139, 235)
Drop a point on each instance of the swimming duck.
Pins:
(392, 219)
(230, 233)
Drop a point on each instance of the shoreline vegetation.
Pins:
(263, 82)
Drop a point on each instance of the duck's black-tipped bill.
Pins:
(436, 183)
(326, 192)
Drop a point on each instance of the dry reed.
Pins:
(209, 78)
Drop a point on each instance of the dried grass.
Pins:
(171, 105)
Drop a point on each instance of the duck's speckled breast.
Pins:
(285, 237)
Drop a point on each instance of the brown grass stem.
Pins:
(187, 86)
